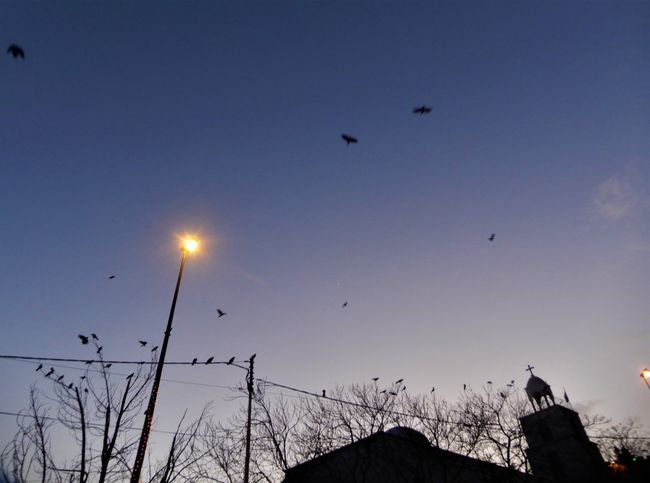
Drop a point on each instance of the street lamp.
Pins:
(645, 375)
(188, 245)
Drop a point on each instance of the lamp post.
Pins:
(188, 245)
(645, 375)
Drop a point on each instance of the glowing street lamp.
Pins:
(188, 245)
(645, 375)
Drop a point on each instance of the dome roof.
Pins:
(408, 433)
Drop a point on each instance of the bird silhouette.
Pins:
(154, 349)
(194, 361)
(111, 277)
(230, 361)
(375, 379)
(220, 313)
(83, 339)
(382, 392)
(502, 394)
(209, 361)
(130, 375)
(403, 388)
(399, 381)
(252, 358)
(492, 237)
(464, 387)
(70, 385)
(89, 362)
(489, 382)
(99, 349)
(392, 393)
(345, 304)
(324, 393)
(349, 139)
(16, 51)
(50, 372)
(433, 389)
(86, 390)
(94, 336)
(421, 110)
(108, 366)
(83, 377)
(142, 343)
(60, 377)
(40, 366)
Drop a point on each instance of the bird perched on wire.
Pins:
(130, 375)
(40, 366)
(108, 366)
(349, 139)
(209, 361)
(324, 393)
(220, 313)
(16, 51)
(421, 110)
(492, 237)
(154, 349)
(230, 361)
(60, 377)
(194, 361)
(83, 339)
(50, 372)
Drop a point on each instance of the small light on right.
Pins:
(645, 375)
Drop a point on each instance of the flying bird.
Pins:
(142, 343)
(40, 366)
(51, 371)
(220, 313)
(492, 237)
(421, 110)
(94, 336)
(209, 361)
(60, 377)
(345, 304)
(111, 277)
(16, 51)
(349, 139)
(230, 361)
(83, 339)
(194, 361)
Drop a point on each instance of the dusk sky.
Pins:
(130, 123)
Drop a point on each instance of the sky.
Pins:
(129, 124)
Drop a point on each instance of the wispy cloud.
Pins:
(622, 195)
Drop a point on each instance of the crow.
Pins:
(421, 110)
(50, 372)
(83, 339)
(108, 366)
(345, 304)
(40, 366)
(324, 393)
(349, 139)
(209, 361)
(375, 379)
(99, 349)
(489, 382)
(382, 392)
(16, 51)
(221, 313)
(194, 361)
(89, 362)
(111, 277)
(83, 377)
(142, 343)
(70, 385)
(86, 390)
(94, 336)
(433, 389)
(154, 349)
(464, 387)
(492, 237)
(59, 378)
(230, 361)
(503, 395)
(399, 381)
(130, 375)
(392, 393)
(252, 358)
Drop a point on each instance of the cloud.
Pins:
(621, 196)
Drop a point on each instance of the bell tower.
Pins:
(558, 446)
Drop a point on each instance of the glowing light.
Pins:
(190, 244)
(645, 373)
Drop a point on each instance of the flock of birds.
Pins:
(18, 52)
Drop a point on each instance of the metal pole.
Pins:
(250, 387)
(148, 414)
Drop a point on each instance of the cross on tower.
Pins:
(530, 369)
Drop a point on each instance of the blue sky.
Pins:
(131, 122)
